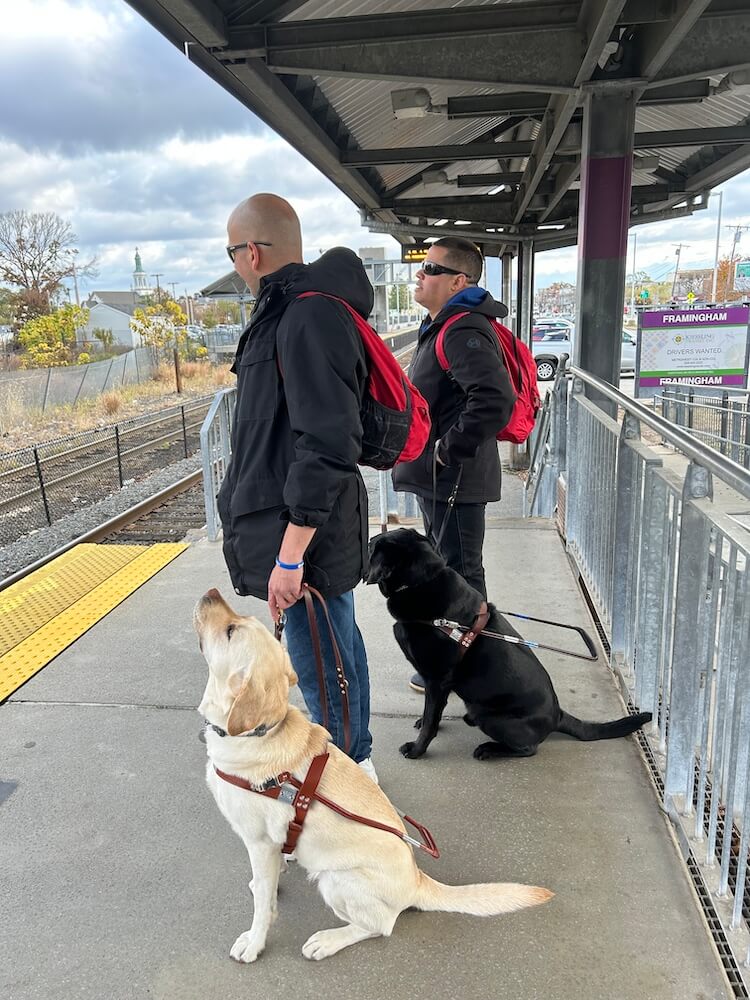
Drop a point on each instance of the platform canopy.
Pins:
(429, 113)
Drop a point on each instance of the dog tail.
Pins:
(583, 730)
(481, 900)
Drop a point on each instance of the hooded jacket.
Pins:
(467, 407)
(301, 370)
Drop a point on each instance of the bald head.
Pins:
(269, 219)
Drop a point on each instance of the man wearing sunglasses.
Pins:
(293, 505)
(468, 404)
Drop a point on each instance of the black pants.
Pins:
(463, 537)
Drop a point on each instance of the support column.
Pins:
(526, 292)
(519, 454)
(604, 216)
(506, 288)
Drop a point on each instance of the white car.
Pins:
(553, 345)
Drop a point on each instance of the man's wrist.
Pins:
(289, 563)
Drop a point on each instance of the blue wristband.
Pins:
(283, 565)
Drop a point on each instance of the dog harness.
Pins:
(465, 635)
(301, 794)
(460, 633)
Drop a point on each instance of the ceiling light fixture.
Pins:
(415, 102)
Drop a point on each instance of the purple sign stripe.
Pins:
(732, 315)
(604, 230)
(696, 380)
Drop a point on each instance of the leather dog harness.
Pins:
(460, 633)
(301, 794)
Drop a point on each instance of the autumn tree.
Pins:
(162, 327)
(49, 341)
(725, 291)
(37, 251)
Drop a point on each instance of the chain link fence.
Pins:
(40, 485)
(41, 388)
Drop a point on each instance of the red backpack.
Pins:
(522, 370)
(395, 416)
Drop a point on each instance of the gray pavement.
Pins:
(121, 880)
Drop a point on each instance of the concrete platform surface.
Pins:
(121, 880)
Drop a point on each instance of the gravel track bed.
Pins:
(40, 543)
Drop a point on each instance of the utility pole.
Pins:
(158, 289)
(174, 294)
(716, 254)
(632, 283)
(678, 251)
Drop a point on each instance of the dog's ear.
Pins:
(262, 692)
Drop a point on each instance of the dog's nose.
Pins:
(212, 595)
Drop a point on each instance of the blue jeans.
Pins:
(299, 644)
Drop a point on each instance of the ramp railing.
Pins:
(658, 525)
(216, 450)
(721, 421)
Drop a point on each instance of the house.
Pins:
(111, 311)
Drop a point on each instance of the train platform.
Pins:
(122, 880)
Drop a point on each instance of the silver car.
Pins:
(548, 351)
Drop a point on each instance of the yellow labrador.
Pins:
(367, 876)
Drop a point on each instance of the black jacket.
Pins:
(297, 437)
(467, 409)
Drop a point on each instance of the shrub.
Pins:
(111, 402)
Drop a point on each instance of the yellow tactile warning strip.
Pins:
(50, 609)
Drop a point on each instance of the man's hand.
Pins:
(284, 589)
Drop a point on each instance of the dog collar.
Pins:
(261, 730)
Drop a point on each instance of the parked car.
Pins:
(552, 324)
(547, 353)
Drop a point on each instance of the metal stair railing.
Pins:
(216, 451)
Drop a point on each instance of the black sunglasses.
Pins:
(431, 269)
(232, 251)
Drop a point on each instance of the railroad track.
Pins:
(167, 516)
(171, 521)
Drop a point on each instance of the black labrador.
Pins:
(507, 692)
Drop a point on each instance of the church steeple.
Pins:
(140, 278)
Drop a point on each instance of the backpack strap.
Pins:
(440, 342)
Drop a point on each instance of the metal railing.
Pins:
(660, 544)
(720, 421)
(216, 450)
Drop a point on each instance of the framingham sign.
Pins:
(703, 348)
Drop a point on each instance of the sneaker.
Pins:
(367, 767)
(417, 683)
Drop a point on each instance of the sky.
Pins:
(106, 123)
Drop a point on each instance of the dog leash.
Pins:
(465, 635)
(301, 794)
(437, 539)
(308, 593)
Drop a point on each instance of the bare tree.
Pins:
(37, 250)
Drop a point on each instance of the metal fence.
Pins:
(216, 451)
(41, 388)
(40, 485)
(720, 421)
(662, 541)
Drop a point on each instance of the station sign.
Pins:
(705, 349)
(742, 275)
(415, 253)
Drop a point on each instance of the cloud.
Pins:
(110, 126)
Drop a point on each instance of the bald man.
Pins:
(293, 505)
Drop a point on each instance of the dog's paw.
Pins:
(410, 750)
(469, 721)
(247, 948)
(323, 944)
(487, 751)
